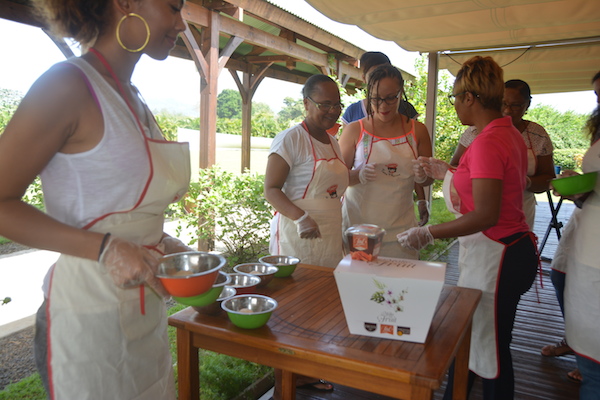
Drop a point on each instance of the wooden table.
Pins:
(307, 334)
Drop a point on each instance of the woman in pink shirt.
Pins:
(498, 254)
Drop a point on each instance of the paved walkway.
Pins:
(22, 273)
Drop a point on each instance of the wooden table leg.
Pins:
(288, 385)
(461, 367)
(188, 373)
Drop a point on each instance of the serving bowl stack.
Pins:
(249, 311)
(263, 271)
(214, 308)
(189, 273)
(285, 264)
(208, 297)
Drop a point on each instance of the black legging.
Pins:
(517, 273)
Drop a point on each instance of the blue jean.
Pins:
(590, 371)
(558, 281)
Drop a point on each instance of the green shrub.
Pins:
(569, 158)
(229, 209)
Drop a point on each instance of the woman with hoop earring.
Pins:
(108, 175)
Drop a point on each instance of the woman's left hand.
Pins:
(174, 245)
(415, 238)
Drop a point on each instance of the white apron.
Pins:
(386, 201)
(577, 254)
(121, 349)
(529, 201)
(330, 179)
(479, 261)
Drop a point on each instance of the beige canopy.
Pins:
(554, 45)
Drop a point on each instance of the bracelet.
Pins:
(102, 244)
(302, 218)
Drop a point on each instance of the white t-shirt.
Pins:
(294, 146)
(535, 137)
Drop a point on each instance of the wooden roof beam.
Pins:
(276, 15)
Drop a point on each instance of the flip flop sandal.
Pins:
(575, 376)
(556, 350)
(313, 386)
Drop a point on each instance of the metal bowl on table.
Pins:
(285, 264)
(244, 283)
(214, 308)
(249, 311)
(263, 271)
(189, 273)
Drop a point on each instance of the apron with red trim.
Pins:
(110, 343)
(386, 201)
(479, 261)
(578, 255)
(322, 202)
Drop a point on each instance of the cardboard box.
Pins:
(390, 298)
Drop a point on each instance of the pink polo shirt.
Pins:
(498, 152)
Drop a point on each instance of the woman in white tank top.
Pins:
(107, 177)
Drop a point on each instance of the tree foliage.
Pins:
(9, 101)
(292, 110)
(229, 104)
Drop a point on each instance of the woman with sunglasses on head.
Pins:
(498, 253)
(540, 164)
(380, 149)
(305, 181)
(108, 175)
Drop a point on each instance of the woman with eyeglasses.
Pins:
(379, 149)
(306, 178)
(498, 253)
(540, 164)
(304, 181)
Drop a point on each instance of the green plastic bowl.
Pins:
(575, 184)
(285, 264)
(209, 296)
(249, 311)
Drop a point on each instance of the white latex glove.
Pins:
(307, 227)
(416, 238)
(130, 265)
(367, 173)
(435, 168)
(174, 245)
(420, 175)
(423, 207)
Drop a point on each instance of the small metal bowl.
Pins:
(249, 311)
(285, 264)
(208, 297)
(189, 273)
(244, 283)
(214, 308)
(263, 271)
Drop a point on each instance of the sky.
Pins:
(174, 84)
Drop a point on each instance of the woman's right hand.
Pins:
(432, 167)
(307, 227)
(130, 265)
(367, 173)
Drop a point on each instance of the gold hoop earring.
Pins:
(123, 18)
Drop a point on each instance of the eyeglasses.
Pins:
(388, 100)
(326, 107)
(513, 107)
(451, 97)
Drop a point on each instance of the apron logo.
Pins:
(390, 169)
(333, 191)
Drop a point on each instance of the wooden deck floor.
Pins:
(538, 322)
